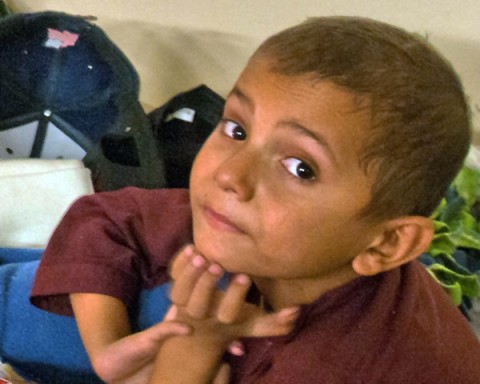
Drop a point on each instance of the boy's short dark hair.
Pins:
(420, 118)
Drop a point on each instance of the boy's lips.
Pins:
(220, 221)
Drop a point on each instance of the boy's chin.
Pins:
(215, 255)
(205, 249)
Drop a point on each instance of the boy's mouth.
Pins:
(220, 222)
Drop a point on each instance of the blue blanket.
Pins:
(43, 346)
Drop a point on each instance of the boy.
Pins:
(338, 140)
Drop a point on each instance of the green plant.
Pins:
(453, 258)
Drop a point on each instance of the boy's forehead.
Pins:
(318, 92)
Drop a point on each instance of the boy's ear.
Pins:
(399, 241)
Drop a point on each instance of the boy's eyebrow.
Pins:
(311, 134)
(244, 99)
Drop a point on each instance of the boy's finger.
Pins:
(186, 280)
(272, 324)
(145, 344)
(234, 299)
(200, 302)
(223, 375)
(180, 260)
(160, 331)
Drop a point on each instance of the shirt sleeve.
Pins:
(112, 243)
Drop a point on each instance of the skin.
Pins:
(277, 187)
(217, 318)
(118, 356)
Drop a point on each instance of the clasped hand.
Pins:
(202, 317)
(217, 319)
(220, 316)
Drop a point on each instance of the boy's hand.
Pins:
(221, 316)
(130, 359)
(218, 319)
(117, 355)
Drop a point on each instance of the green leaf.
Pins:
(440, 208)
(453, 289)
(456, 227)
(452, 213)
(468, 238)
(459, 229)
(456, 284)
(440, 227)
(467, 184)
(448, 261)
(442, 243)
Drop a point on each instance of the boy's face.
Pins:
(276, 188)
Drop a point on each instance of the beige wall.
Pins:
(178, 44)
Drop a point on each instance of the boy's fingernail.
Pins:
(242, 279)
(215, 269)
(236, 348)
(171, 314)
(198, 261)
(188, 250)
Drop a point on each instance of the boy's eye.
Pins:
(233, 130)
(299, 168)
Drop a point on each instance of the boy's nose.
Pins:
(239, 173)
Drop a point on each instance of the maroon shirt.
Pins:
(397, 327)
(113, 243)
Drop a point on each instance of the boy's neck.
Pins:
(279, 294)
